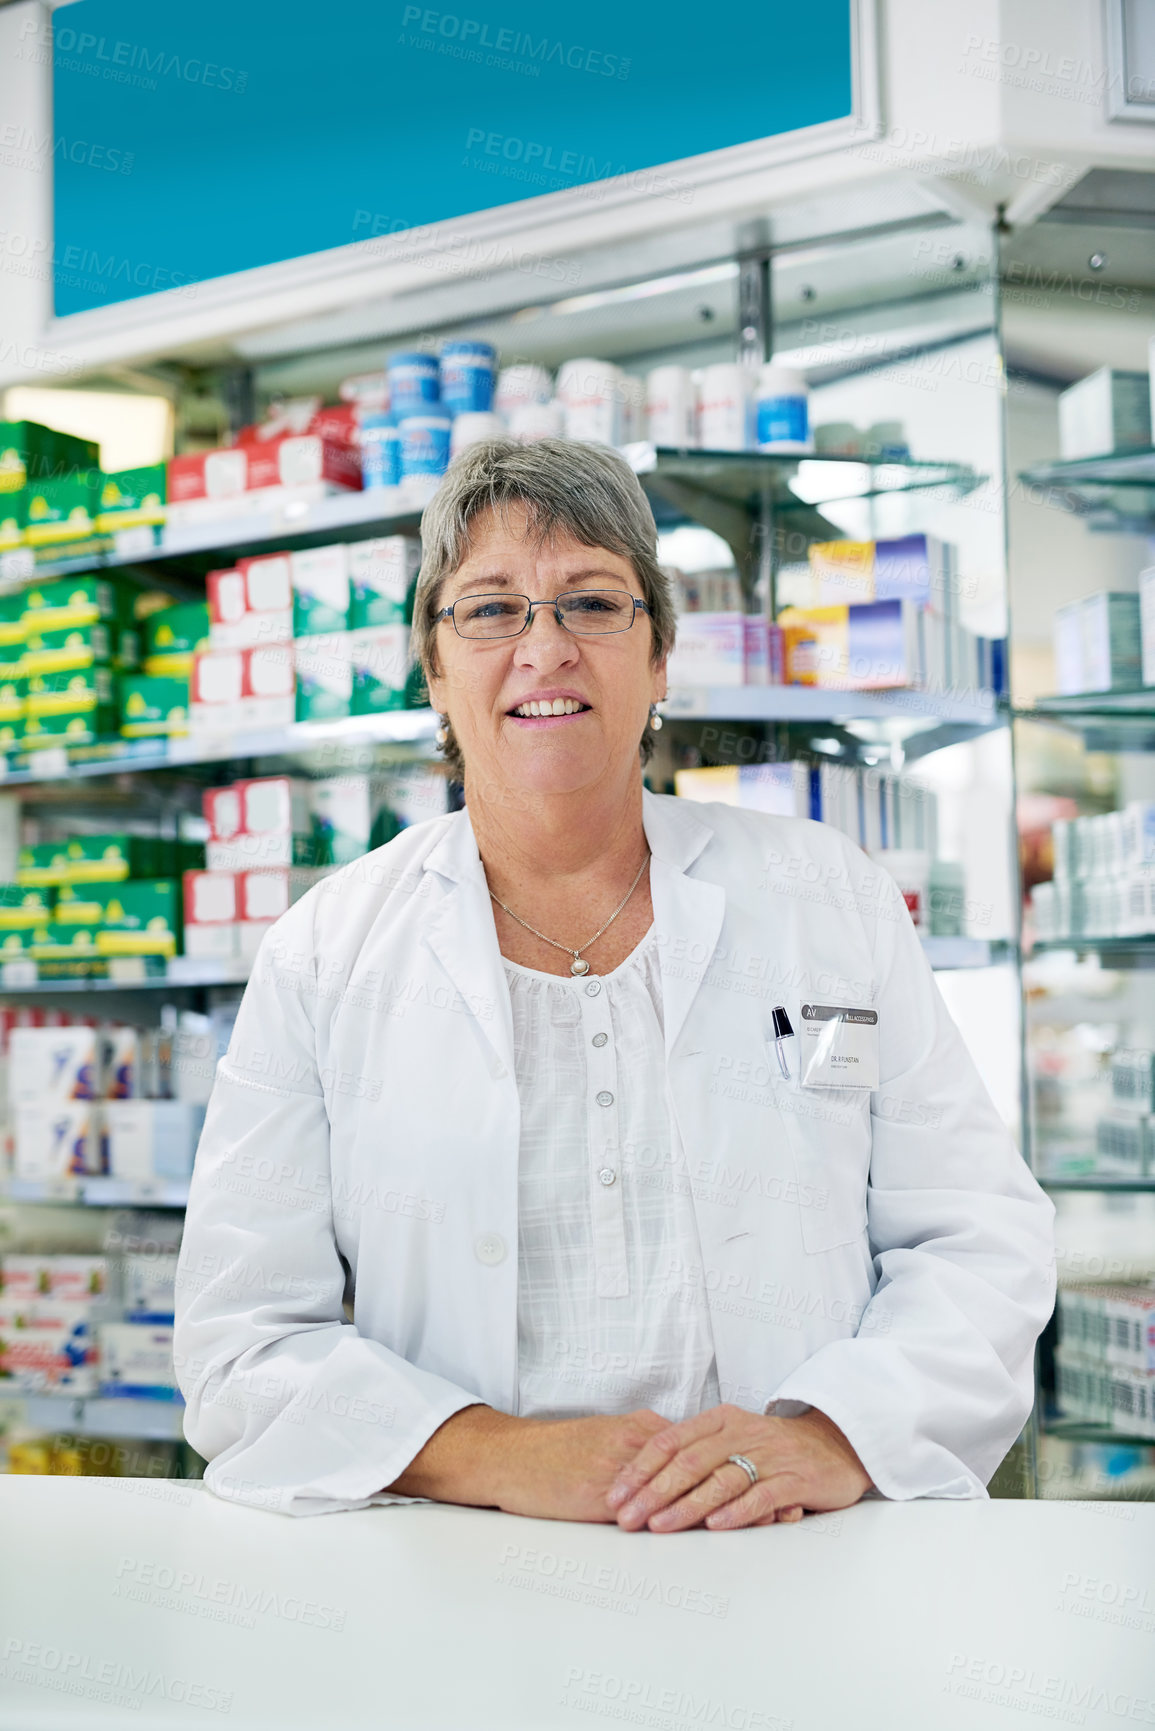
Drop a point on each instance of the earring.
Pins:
(655, 718)
(441, 737)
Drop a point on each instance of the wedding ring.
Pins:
(747, 1466)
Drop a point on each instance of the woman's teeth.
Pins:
(559, 706)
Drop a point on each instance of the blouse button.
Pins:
(607, 1175)
(600, 1039)
(605, 1098)
(593, 988)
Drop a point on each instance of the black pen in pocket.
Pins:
(782, 1031)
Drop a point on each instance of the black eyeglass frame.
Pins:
(504, 636)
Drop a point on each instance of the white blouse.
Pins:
(611, 1311)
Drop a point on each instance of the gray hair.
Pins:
(586, 491)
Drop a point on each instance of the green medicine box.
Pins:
(70, 647)
(53, 942)
(12, 628)
(83, 726)
(13, 518)
(131, 497)
(22, 907)
(30, 453)
(90, 859)
(13, 697)
(138, 918)
(63, 510)
(173, 636)
(74, 693)
(152, 705)
(69, 601)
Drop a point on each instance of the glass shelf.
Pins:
(1136, 952)
(1104, 720)
(1110, 1183)
(93, 1415)
(1114, 494)
(1082, 1431)
(181, 973)
(793, 483)
(924, 721)
(99, 1191)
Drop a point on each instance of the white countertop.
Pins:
(138, 1603)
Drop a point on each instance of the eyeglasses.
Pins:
(587, 612)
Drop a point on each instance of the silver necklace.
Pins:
(577, 966)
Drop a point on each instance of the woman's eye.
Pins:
(492, 610)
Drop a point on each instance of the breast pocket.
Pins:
(830, 1139)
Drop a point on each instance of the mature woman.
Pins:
(588, 1153)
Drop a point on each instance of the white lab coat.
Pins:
(882, 1255)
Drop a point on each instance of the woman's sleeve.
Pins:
(938, 1381)
(292, 1408)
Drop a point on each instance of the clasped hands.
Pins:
(640, 1470)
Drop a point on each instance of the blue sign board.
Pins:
(194, 141)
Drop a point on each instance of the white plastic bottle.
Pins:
(783, 409)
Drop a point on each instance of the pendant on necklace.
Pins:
(577, 966)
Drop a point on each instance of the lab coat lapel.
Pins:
(463, 937)
(688, 912)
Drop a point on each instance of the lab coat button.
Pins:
(605, 1098)
(490, 1249)
(600, 1039)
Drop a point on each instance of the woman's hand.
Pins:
(682, 1476)
(562, 1469)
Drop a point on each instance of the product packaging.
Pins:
(342, 819)
(782, 409)
(136, 1360)
(152, 1138)
(379, 657)
(57, 1139)
(153, 706)
(324, 688)
(211, 915)
(263, 822)
(1108, 411)
(320, 584)
(382, 574)
(131, 498)
(710, 649)
(172, 636)
(1098, 644)
(467, 377)
(671, 408)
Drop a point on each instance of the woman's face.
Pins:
(481, 683)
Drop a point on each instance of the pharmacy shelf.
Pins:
(1104, 720)
(795, 484)
(1082, 1431)
(945, 955)
(300, 741)
(922, 721)
(99, 1192)
(1137, 952)
(192, 549)
(67, 1415)
(1114, 494)
(794, 481)
(1093, 1183)
(128, 973)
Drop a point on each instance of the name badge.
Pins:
(839, 1046)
